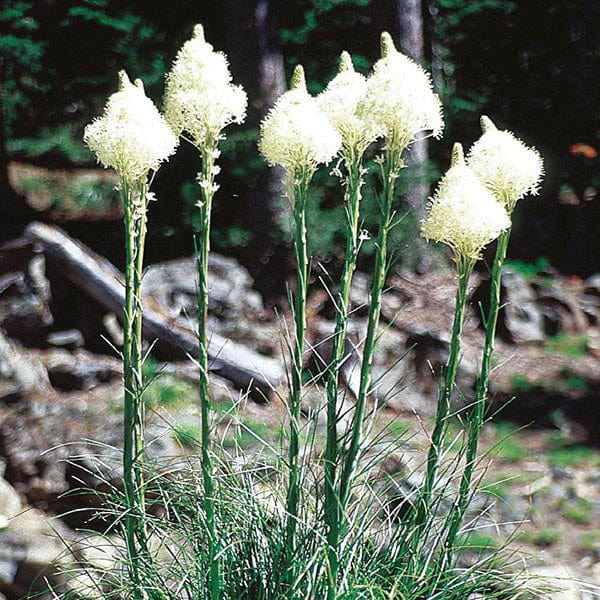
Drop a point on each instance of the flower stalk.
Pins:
(333, 509)
(200, 101)
(134, 201)
(466, 216)
(202, 245)
(133, 138)
(510, 170)
(390, 170)
(297, 135)
(340, 102)
(476, 415)
(299, 197)
(400, 102)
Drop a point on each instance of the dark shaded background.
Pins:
(531, 65)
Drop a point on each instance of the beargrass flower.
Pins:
(131, 136)
(463, 213)
(400, 99)
(200, 98)
(505, 165)
(340, 100)
(296, 134)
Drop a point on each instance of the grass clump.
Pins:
(188, 435)
(589, 542)
(541, 538)
(507, 447)
(567, 345)
(577, 510)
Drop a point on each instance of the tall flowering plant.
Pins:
(509, 170)
(340, 101)
(297, 135)
(466, 216)
(200, 101)
(401, 104)
(132, 138)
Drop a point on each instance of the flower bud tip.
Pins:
(487, 124)
(458, 155)
(124, 80)
(387, 45)
(345, 63)
(198, 33)
(298, 79)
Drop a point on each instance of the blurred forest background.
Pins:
(531, 65)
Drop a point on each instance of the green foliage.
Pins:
(521, 383)
(500, 488)
(21, 50)
(398, 428)
(477, 541)
(564, 453)
(61, 140)
(248, 434)
(507, 447)
(567, 345)
(188, 435)
(529, 271)
(589, 542)
(577, 510)
(542, 538)
(69, 193)
(165, 390)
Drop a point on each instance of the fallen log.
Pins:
(99, 279)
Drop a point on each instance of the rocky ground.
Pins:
(60, 400)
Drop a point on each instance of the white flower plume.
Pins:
(400, 98)
(296, 134)
(463, 213)
(340, 100)
(131, 136)
(507, 167)
(200, 98)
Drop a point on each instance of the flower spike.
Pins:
(505, 165)
(462, 213)
(131, 137)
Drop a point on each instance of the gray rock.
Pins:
(80, 370)
(235, 309)
(520, 318)
(20, 374)
(173, 285)
(33, 551)
(10, 503)
(69, 339)
(24, 304)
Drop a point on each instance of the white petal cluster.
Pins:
(296, 134)
(463, 213)
(199, 96)
(400, 98)
(507, 167)
(340, 100)
(131, 136)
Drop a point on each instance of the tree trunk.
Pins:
(404, 20)
(257, 63)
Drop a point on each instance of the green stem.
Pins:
(299, 190)
(134, 203)
(475, 418)
(464, 269)
(206, 178)
(333, 510)
(390, 170)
